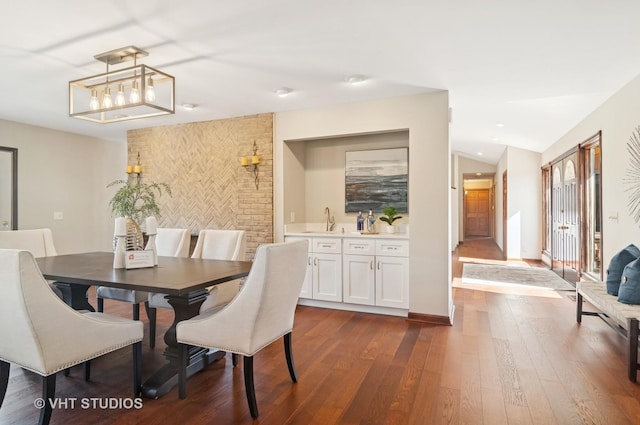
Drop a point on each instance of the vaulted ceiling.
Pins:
(518, 73)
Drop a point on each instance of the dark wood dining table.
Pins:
(184, 280)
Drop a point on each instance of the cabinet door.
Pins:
(392, 282)
(327, 277)
(358, 279)
(307, 285)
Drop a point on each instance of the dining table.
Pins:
(183, 280)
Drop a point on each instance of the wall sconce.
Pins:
(135, 169)
(252, 162)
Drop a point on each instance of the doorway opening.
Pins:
(478, 207)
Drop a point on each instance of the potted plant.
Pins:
(136, 201)
(390, 215)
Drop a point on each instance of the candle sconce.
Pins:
(135, 169)
(252, 163)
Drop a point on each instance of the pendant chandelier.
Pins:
(138, 91)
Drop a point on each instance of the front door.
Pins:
(565, 245)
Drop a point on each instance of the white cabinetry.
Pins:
(324, 269)
(376, 272)
(358, 271)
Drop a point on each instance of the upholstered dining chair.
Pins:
(214, 244)
(42, 334)
(261, 313)
(169, 243)
(38, 241)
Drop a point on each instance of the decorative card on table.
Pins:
(138, 259)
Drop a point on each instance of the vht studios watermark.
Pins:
(109, 403)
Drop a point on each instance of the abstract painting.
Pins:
(376, 179)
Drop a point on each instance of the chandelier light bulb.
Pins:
(150, 95)
(106, 98)
(93, 102)
(134, 96)
(120, 100)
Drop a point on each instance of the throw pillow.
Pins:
(630, 285)
(616, 267)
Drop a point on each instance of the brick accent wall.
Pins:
(201, 163)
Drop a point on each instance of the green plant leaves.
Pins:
(391, 214)
(137, 200)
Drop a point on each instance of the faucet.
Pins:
(330, 220)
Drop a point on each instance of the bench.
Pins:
(623, 318)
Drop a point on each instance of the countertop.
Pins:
(321, 234)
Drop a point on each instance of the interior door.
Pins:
(477, 213)
(565, 218)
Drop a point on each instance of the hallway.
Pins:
(529, 359)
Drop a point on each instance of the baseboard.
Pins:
(429, 318)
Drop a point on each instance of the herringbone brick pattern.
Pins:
(201, 163)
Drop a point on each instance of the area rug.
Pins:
(509, 275)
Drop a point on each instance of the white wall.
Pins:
(65, 172)
(324, 175)
(501, 167)
(524, 200)
(426, 118)
(524, 192)
(455, 207)
(617, 118)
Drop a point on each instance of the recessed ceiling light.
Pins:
(499, 125)
(283, 91)
(188, 106)
(355, 79)
(478, 174)
(479, 153)
(495, 139)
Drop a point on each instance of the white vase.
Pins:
(390, 228)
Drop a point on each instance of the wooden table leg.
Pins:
(75, 295)
(161, 382)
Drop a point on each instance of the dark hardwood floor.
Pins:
(507, 359)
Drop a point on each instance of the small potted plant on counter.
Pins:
(390, 215)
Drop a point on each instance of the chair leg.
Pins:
(248, 385)
(100, 305)
(87, 370)
(151, 314)
(48, 393)
(4, 379)
(183, 357)
(136, 311)
(289, 355)
(234, 359)
(137, 369)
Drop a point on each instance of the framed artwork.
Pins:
(376, 179)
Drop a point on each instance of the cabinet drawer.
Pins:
(359, 246)
(392, 247)
(328, 245)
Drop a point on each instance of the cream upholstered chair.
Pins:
(169, 243)
(214, 244)
(38, 241)
(42, 334)
(261, 313)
